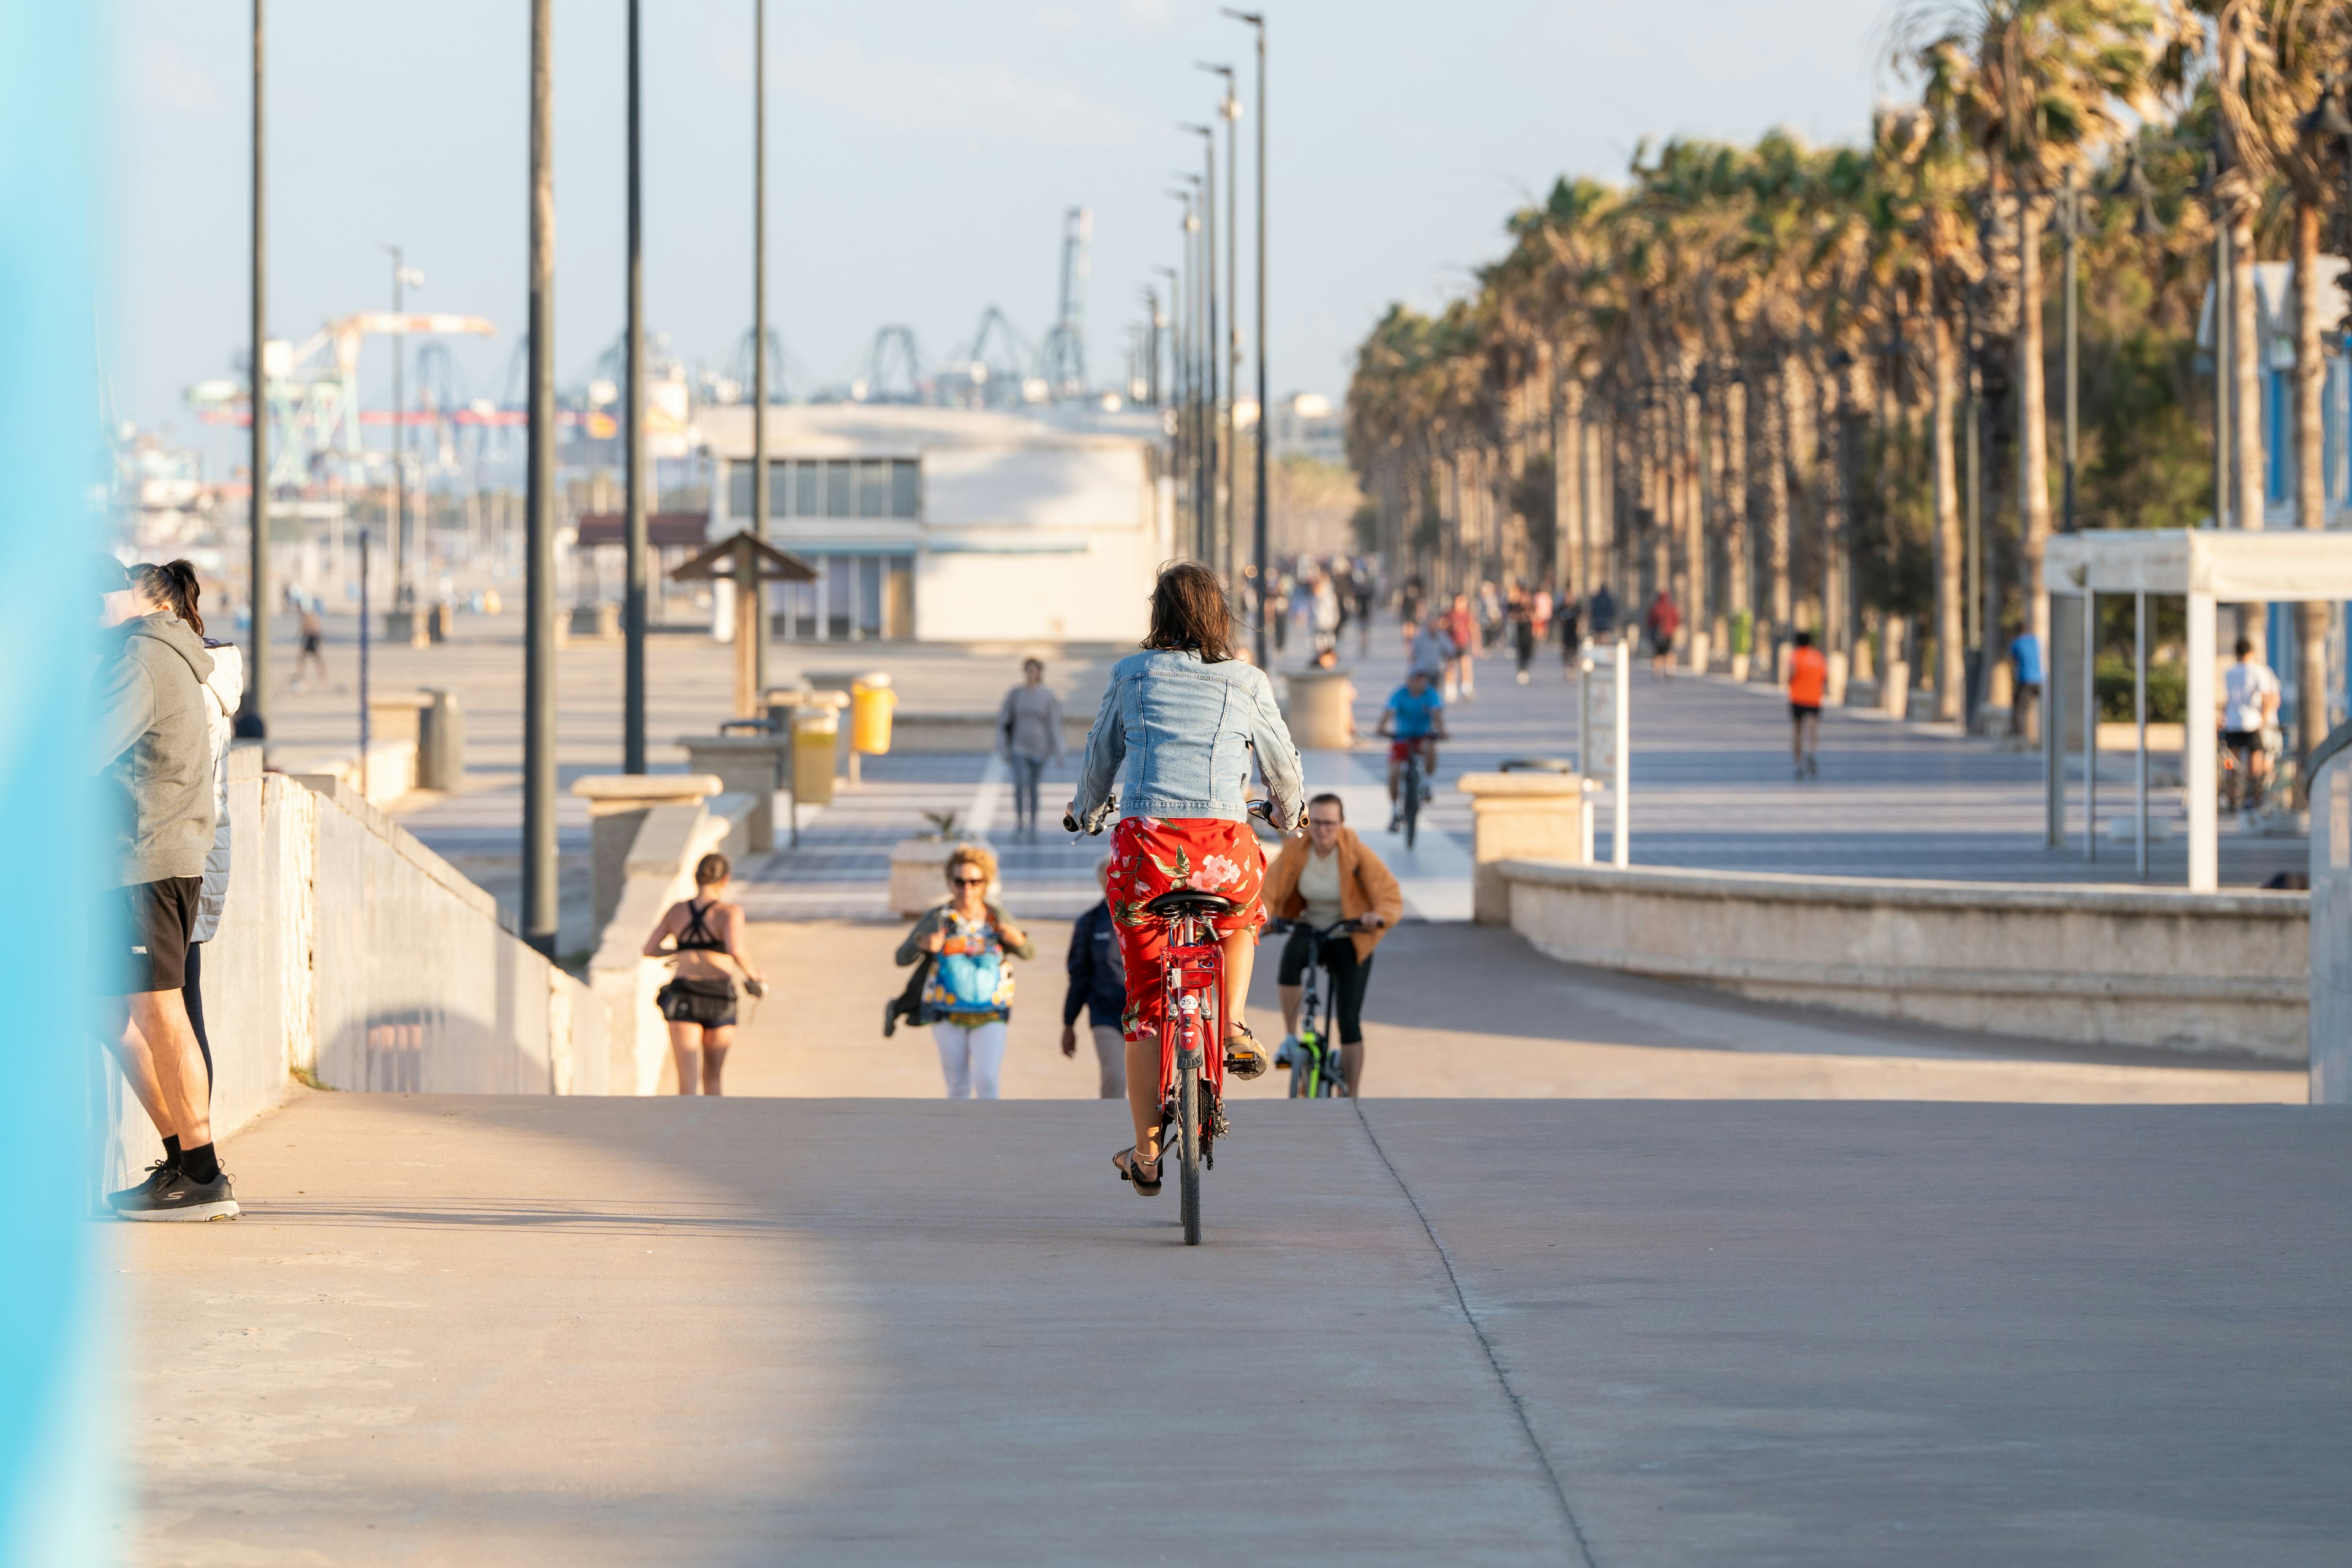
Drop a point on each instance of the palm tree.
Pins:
(2284, 53)
(2037, 86)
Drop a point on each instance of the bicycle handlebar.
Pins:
(1261, 809)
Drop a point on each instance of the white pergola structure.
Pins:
(2208, 567)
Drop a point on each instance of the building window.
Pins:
(856, 598)
(881, 487)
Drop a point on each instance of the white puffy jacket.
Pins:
(226, 692)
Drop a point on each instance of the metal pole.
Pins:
(257, 674)
(400, 596)
(2221, 292)
(2053, 746)
(2090, 725)
(1264, 408)
(367, 735)
(633, 592)
(1231, 544)
(2074, 368)
(754, 606)
(2139, 719)
(1620, 818)
(539, 909)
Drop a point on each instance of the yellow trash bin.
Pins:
(871, 702)
(814, 733)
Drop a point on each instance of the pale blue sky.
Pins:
(921, 155)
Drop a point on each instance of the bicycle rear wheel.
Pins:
(1187, 1146)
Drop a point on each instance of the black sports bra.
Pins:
(697, 937)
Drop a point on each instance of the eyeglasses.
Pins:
(972, 881)
(1325, 821)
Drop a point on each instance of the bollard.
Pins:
(1321, 710)
(749, 764)
(1522, 815)
(815, 732)
(617, 805)
(440, 741)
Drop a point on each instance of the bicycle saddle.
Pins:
(1186, 901)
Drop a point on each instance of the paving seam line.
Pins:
(1518, 1405)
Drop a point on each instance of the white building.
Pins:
(949, 524)
(1307, 425)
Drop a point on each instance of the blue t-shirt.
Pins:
(1415, 716)
(2026, 654)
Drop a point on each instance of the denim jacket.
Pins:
(1182, 733)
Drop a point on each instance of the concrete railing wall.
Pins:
(971, 732)
(347, 949)
(2222, 972)
(657, 872)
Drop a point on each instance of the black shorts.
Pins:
(709, 1003)
(143, 943)
(1803, 710)
(2243, 739)
(310, 642)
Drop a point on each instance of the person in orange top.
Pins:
(1323, 876)
(1809, 673)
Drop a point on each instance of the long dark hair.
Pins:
(173, 586)
(1188, 612)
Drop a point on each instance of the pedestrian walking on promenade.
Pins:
(1099, 989)
(1808, 675)
(1029, 739)
(314, 642)
(698, 1003)
(1412, 603)
(1662, 622)
(1604, 614)
(1360, 592)
(2025, 661)
(969, 995)
(1522, 619)
(1326, 610)
(155, 751)
(2250, 706)
(1462, 626)
(1572, 634)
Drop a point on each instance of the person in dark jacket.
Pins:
(1097, 988)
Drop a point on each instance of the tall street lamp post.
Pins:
(1265, 409)
(756, 627)
(256, 679)
(1211, 407)
(1229, 109)
(404, 596)
(540, 911)
(632, 593)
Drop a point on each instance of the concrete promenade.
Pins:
(491, 1331)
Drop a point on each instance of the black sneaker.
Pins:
(174, 1196)
(155, 1174)
(889, 1017)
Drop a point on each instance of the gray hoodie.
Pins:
(153, 745)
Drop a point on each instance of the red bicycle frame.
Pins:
(1195, 970)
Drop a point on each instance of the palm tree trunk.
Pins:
(1568, 484)
(2251, 461)
(1695, 528)
(1778, 456)
(1950, 668)
(2310, 475)
(2033, 422)
(1739, 597)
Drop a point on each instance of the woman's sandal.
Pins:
(1245, 1057)
(1124, 1161)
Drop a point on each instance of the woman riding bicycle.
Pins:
(1178, 726)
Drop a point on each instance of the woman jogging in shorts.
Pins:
(700, 1001)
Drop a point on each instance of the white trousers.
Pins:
(972, 1057)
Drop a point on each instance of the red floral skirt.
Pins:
(1150, 855)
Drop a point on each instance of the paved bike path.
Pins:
(456, 1331)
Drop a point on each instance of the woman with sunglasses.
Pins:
(968, 995)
